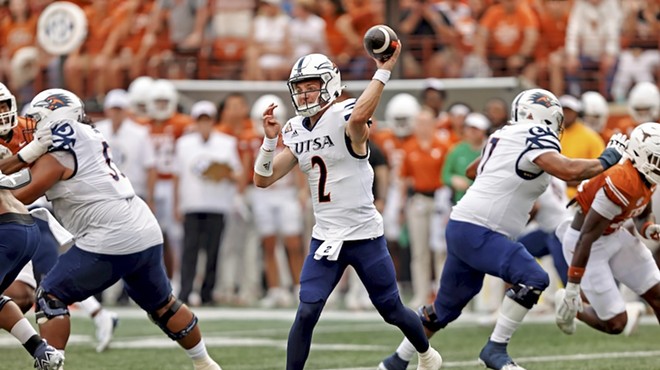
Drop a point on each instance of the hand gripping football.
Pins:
(380, 42)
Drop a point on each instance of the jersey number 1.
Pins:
(323, 177)
(490, 147)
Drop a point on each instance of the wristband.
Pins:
(269, 144)
(263, 165)
(575, 272)
(382, 75)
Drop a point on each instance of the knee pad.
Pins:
(161, 321)
(310, 312)
(3, 301)
(429, 318)
(526, 296)
(49, 307)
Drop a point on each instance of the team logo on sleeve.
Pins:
(543, 99)
(54, 102)
(63, 136)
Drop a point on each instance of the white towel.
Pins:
(329, 249)
(63, 237)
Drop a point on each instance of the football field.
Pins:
(253, 339)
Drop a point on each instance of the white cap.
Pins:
(571, 102)
(478, 121)
(203, 107)
(434, 83)
(273, 2)
(116, 98)
(459, 110)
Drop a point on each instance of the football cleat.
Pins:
(393, 362)
(494, 356)
(206, 364)
(431, 360)
(635, 310)
(48, 358)
(105, 322)
(568, 327)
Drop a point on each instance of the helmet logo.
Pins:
(542, 99)
(645, 135)
(54, 101)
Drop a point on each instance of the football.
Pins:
(380, 42)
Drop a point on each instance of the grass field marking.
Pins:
(555, 358)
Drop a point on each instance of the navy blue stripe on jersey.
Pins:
(540, 138)
(347, 139)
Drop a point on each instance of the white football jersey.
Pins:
(340, 180)
(508, 182)
(98, 204)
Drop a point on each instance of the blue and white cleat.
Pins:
(393, 362)
(494, 356)
(105, 322)
(48, 358)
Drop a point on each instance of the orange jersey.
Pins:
(424, 165)
(625, 126)
(624, 186)
(164, 136)
(14, 36)
(506, 30)
(18, 138)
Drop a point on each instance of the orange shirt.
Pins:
(506, 30)
(164, 136)
(101, 24)
(424, 165)
(552, 33)
(14, 36)
(625, 126)
(19, 138)
(624, 186)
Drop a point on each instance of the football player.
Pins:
(601, 252)
(116, 235)
(13, 138)
(513, 171)
(328, 141)
(19, 240)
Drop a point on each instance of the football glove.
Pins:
(571, 304)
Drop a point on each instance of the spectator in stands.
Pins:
(206, 170)
(641, 58)
(592, 45)
(497, 112)
(433, 97)
(465, 24)
(330, 11)
(475, 132)
(307, 30)
(269, 47)
(359, 17)
(549, 55)
(506, 38)
(421, 169)
(451, 131)
(430, 40)
(577, 140)
(18, 36)
(595, 112)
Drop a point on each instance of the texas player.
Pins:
(601, 252)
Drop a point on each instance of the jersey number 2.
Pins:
(323, 177)
(115, 171)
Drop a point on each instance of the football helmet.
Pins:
(310, 67)
(8, 119)
(162, 100)
(55, 104)
(400, 114)
(595, 111)
(138, 94)
(644, 102)
(644, 150)
(538, 106)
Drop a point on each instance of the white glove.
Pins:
(619, 142)
(571, 304)
(651, 231)
(43, 139)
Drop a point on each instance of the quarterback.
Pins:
(512, 172)
(328, 140)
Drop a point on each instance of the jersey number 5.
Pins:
(115, 171)
(323, 177)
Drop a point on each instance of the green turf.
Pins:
(458, 344)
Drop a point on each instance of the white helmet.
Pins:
(315, 66)
(260, 105)
(138, 94)
(644, 150)
(595, 111)
(400, 113)
(538, 106)
(644, 96)
(55, 104)
(162, 90)
(9, 119)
